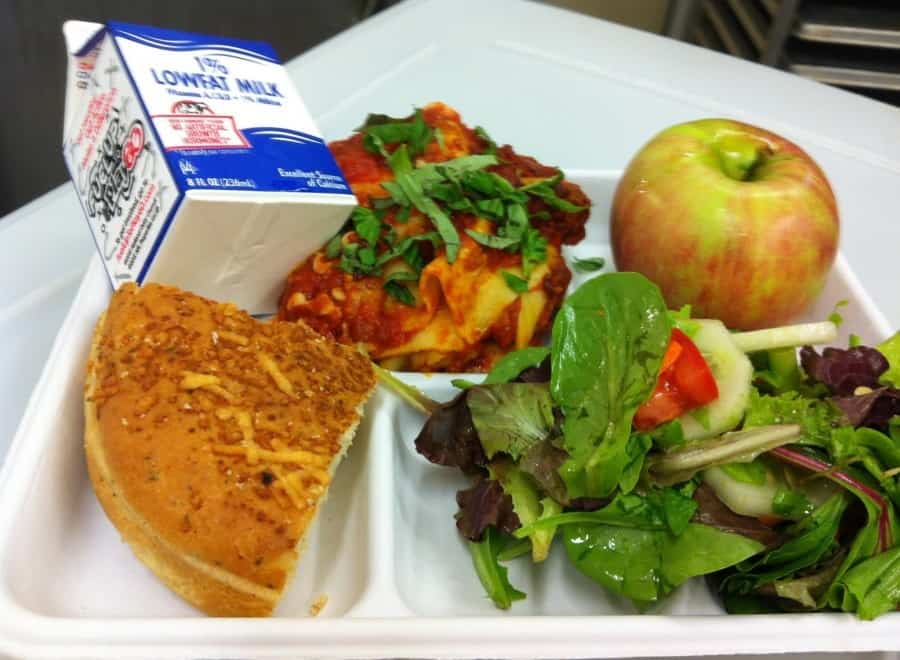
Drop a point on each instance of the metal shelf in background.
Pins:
(753, 20)
(771, 6)
(853, 44)
(754, 30)
(872, 24)
(729, 29)
(845, 65)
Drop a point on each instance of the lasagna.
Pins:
(453, 256)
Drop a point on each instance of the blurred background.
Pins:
(852, 44)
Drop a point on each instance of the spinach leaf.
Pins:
(668, 509)
(512, 364)
(872, 587)
(511, 417)
(647, 564)
(493, 576)
(813, 539)
(636, 448)
(609, 338)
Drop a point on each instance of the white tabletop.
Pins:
(566, 88)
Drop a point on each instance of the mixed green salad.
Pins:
(655, 447)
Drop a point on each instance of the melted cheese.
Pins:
(307, 459)
(463, 300)
(195, 381)
(245, 424)
(268, 363)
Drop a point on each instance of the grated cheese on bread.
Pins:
(211, 439)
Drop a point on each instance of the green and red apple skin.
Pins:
(737, 221)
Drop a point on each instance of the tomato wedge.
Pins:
(685, 382)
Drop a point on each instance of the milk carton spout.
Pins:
(196, 161)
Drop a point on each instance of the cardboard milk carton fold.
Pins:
(196, 162)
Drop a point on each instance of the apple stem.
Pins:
(739, 157)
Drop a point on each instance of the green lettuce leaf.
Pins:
(816, 417)
(511, 417)
(492, 575)
(812, 540)
(646, 565)
(872, 587)
(777, 371)
(890, 349)
(528, 505)
(753, 472)
(618, 324)
(662, 509)
(512, 364)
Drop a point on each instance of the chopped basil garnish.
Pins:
(459, 185)
(380, 130)
(366, 224)
(402, 216)
(545, 192)
(491, 241)
(534, 250)
(333, 247)
(491, 145)
(400, 293)
(429, 207)
(589, 265)
(515, 282)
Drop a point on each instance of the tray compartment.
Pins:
(435, 577)
(88, 571)
(384, 550)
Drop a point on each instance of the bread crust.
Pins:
(210, 461)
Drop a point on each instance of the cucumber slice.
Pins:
(733, 373)
(743, 498)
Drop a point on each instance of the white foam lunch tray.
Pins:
(385, 551)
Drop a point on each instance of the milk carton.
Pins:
(196, 162)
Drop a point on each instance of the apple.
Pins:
(732, 219)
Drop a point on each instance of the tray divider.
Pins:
(381, 598)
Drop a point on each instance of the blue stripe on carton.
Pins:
(175, 40)
(276, 160)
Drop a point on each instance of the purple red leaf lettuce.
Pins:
(843, 370)
(485, 505)
(449, 437)
(873, 409)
